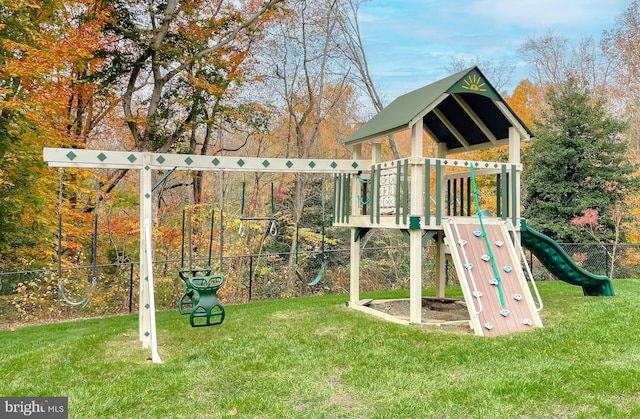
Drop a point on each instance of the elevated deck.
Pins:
(380, 197)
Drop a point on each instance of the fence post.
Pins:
(250, 277)
(130, 287)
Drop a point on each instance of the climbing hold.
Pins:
(468, 266)
(493, 281)
(517, 297)
(527, 322)
(504, 312)
(477, 233)
(462, 242)
(507, 268)
(488, 326)
(499, 243)
(477, 294)
(486, 258)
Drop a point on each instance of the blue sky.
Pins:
(409, 43)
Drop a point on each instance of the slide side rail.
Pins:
(523, 260)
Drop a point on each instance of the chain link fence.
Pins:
(34, 296)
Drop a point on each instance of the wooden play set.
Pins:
(426, 197)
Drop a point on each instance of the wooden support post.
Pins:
(415, 235)
(354, 274)
(441, 268)
(514, 159)
(376, 158)
(147, 317)
(354, 281)
(143, 298)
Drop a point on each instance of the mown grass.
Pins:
(314, 358)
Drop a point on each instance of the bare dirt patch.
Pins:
(434, 310)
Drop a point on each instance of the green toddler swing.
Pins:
(94, 246)
(318, 277)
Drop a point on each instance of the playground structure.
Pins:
(426, 198)
(435, 198)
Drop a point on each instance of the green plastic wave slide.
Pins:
(560, 264)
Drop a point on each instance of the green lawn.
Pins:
(313, 357)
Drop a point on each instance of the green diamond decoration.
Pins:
(147, 196)
(446, 162)
(289, 164)
(132, 158)
(215, 161)
(102, 157)
(147, 306)
(486, 165)
(188, 160)
(334, 165)
(354, 165)
(146, 334)
(266, 163)
(146, 278)
(160, 159)
(71, 155)
(147, 167)
(312, 164)
(240, 162)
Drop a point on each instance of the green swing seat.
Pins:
(200, 300)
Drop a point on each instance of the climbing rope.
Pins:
(363, 202)
(484, 236)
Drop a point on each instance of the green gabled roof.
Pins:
(474, 94)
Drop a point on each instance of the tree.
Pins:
(180, 65)
(499, 73)
(304, 58)
(576, 162)
(554, 59)
(353, 49)
(45, 49)
(590, 223)
(526, 101)
(621, 46)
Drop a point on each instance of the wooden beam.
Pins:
(428, 109)
(451, 128)
(475, 118)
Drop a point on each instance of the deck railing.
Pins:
(383, 197)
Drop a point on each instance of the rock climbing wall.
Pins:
(500, 293)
